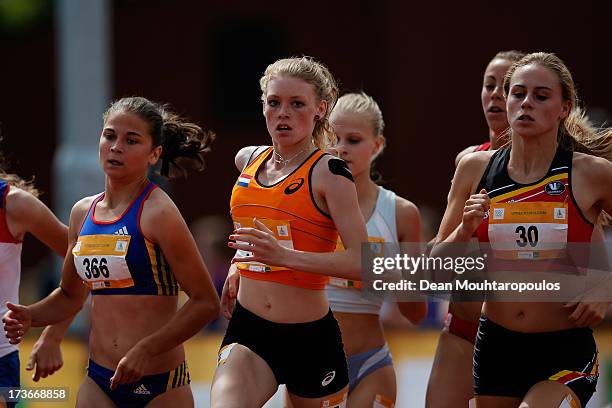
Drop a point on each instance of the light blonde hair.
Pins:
(363, 105)
(575, 132)
(317, 75)
(509, 55)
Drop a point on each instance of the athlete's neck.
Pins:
(118, 194)
(288, 156)
(497, 139)
(367, 192)
(530, 157)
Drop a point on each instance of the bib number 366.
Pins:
(96, 267)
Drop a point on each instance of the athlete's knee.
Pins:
(570, 402)
(335, 401)
(381, 401)
(550, 394)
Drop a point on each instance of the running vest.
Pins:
(345, 295)
(114, 258)
(287, 207)
(531, 221)
(483, 147)
(10, 266)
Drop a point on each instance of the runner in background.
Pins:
(452, 366)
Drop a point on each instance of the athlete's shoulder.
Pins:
(474, 163)
(158, 210)
(408, 220)
(467, 150)
(592, 167)
(246, 154)
(80, 209)
(21, 204)
(405, 208)
(331, 169)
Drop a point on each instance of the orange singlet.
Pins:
(288, 208)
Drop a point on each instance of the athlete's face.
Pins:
(492, 95)
(290, 107)
(357, 143)
(126, 146)
(535, 102)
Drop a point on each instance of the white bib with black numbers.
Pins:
(528, 230)
(100, 261)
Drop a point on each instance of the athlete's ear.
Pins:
(155, 155)
(379, 144)
(566, 108)
(321, 110)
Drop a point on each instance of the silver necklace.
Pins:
(282, 161)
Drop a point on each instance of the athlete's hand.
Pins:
(131, 367)
(474, 211)
(261, 242)
(17, 321)
(46, 356)
(230, 292)
(587, 314)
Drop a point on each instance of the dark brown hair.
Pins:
(180, 140)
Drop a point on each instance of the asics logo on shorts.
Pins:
(329, 377)
(141, 389)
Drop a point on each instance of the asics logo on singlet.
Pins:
(329, 377)
(141, 389)
(554, 188)
(121, 231)
(294, 186)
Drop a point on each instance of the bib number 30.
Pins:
(527, 236)
(96, 267)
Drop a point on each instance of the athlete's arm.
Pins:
(26, 213)
(65, 301)
(461, 218)
(162, 223)
(596, 174)
(408, 221)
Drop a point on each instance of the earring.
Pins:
(317, 118)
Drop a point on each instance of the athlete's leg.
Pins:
(242, 379)
(451, 383)
(380, 382)
(91, 396)
(550, 394)
(179, 397)
(488, 401)
(336, 400)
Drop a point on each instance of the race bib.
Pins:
(282, 232)
(528, 230)
(100, 261)
(377, 248)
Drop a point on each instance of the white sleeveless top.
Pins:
(341, 293)
(10, 268)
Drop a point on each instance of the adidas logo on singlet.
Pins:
(141, 389)
(121, 231)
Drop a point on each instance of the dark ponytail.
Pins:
(180, 140)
